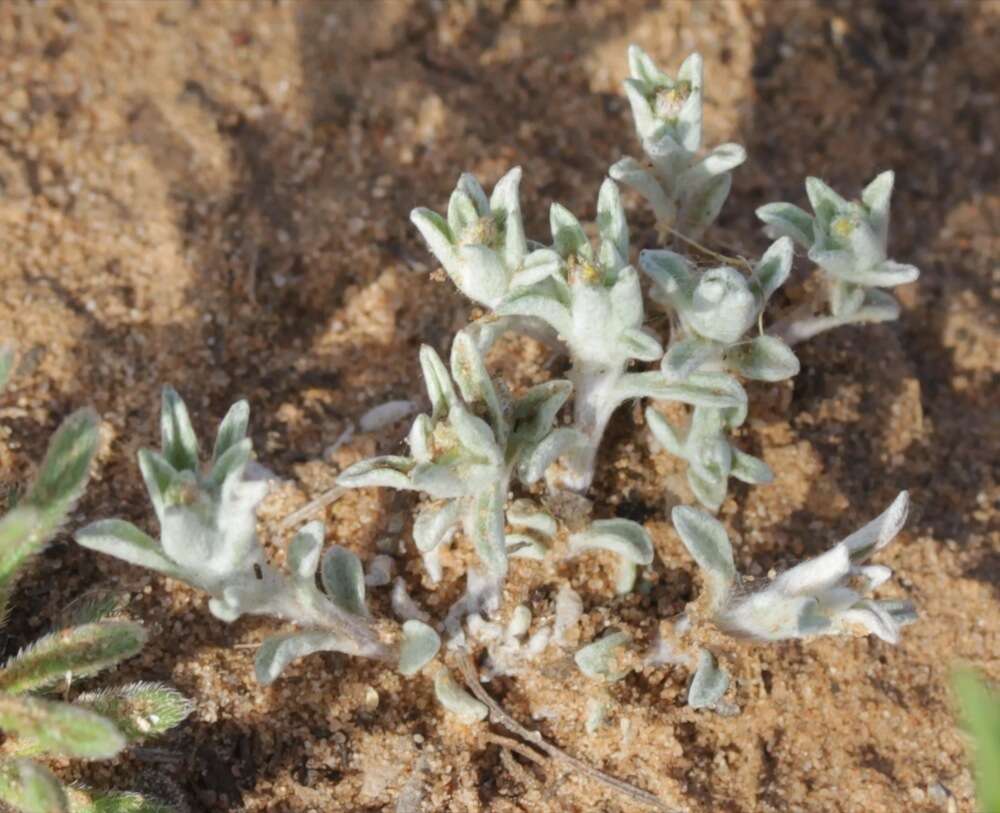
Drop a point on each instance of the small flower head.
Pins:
(594, 302)
(665, 107)
(848, 240)
(481, 244)
(684, 191)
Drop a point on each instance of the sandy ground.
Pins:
(215, 195)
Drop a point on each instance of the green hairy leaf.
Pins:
(78, 651)
(979, 709)
(139, 710)
(64, 471)
(31, 788)
(59, 728)
(59, 483)
(87, 802)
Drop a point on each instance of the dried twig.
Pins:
(707, 251)
(500, 716)
(311, 507)
(519, 747)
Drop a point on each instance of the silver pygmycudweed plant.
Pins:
(481, 244)
(466, 462)
(208, 539)
(716, 309)
(594, 305)
(589, 303)
(481, 451)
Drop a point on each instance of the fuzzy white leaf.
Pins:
(815, 575)
(708, 543)
(522, 546)
(876, 197)
(709, 683)
(611, 224)
(540, 264)
(788, 220)
(456, 700)
(276, 652)
(664, 433)
(764, 358)
(305, 549)
(344, 580)
(124, 541)
(531, 468)
(484, 525)
(526, 514)
(642, 111)
(686, 356)
(568, 236)
(631, 173)
(434, 525)
(750, 469)
(878, 533)
(389, 471)
(598, 660)
(232, 429)
(440, 240)
(774, 267)
(505, 199)
(180, 444)
(541, 307)
(420, 644)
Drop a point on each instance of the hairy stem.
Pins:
(307, 607)
(594, 402)
(797, 327)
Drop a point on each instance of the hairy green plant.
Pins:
(979, 711)
(94, 725)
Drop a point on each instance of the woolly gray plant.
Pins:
(827, 595)
(589, 303)
(208, 539)
(480, 454)
(714, 311)
(464, 462)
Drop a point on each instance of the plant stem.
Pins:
(594, 402)
(307, 607)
